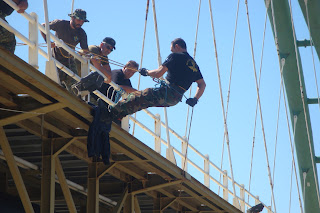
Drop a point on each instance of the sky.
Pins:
(124, 21)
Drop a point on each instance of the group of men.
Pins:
(181, 68)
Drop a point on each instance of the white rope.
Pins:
(291, 144)
(159, 63)
(142, 51)
(261, 117)
(72, 6)
(228, 96)
(276, 139)
(290, 187)
(222, 104)
(294, 135)
(304, 107)
(12, 110)
(313, 61)
(156, 31)
(194, 56)
(256, 113)
(287, 116)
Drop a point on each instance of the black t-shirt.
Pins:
(70, 36)
(182, 69)
(5, 9)
(118, 78)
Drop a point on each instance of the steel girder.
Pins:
(297, 97)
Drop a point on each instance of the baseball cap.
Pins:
(79, 14)
(110, 41)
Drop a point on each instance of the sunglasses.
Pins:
(109, 47)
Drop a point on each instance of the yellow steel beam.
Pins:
(157, 187)
(136, 205)
(93, 188)
(103, 169)
(118, 207)
(60, 147)
(48, 178)
(65, 187)
(33, 113)
(15, 172)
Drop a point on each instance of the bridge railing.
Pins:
(208, 167)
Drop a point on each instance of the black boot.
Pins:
(256, 209)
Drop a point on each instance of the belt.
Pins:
(177, 88)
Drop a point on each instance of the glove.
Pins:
(143, 71)
(192, 101)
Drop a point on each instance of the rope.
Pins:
(12, 110)
(185, 157)
(281, 74)
(222, 104)
(259, 103)
(304, 107)
(159, 63)
(291, 144)
(142, 51)
(294, 133)
(228, 96)
(256, 112)
(277, 128)
(194, 56)
(311, 45)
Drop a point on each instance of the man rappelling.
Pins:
(182, 71)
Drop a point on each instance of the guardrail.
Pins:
(237, 200)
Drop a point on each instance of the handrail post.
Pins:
(125, 123)
(257, 200)
(184, 147)
(207, 171)
(84, 68)
(33, 37)
(157, 130)
(51, 69)
(46, 15)
(225, 184)
(242, 198)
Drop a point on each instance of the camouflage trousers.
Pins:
(163, 96)
(65, 79)
(7, 39)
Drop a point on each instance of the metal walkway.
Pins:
(43, 157)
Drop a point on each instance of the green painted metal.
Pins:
(314, 20)
(295, 102)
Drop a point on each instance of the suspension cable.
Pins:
(159, 63)
(281, 75)
(194, 56)
(228, 96)
(311, 45)
(142, 51)
(277, 128)
(222, 104)
(291, 144)
(292, 166)
(260, 110)
(304, 106)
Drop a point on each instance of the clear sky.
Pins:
(124, 21)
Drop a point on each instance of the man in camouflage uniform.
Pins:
(182, 71)
(71, 33)
(7, 39)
